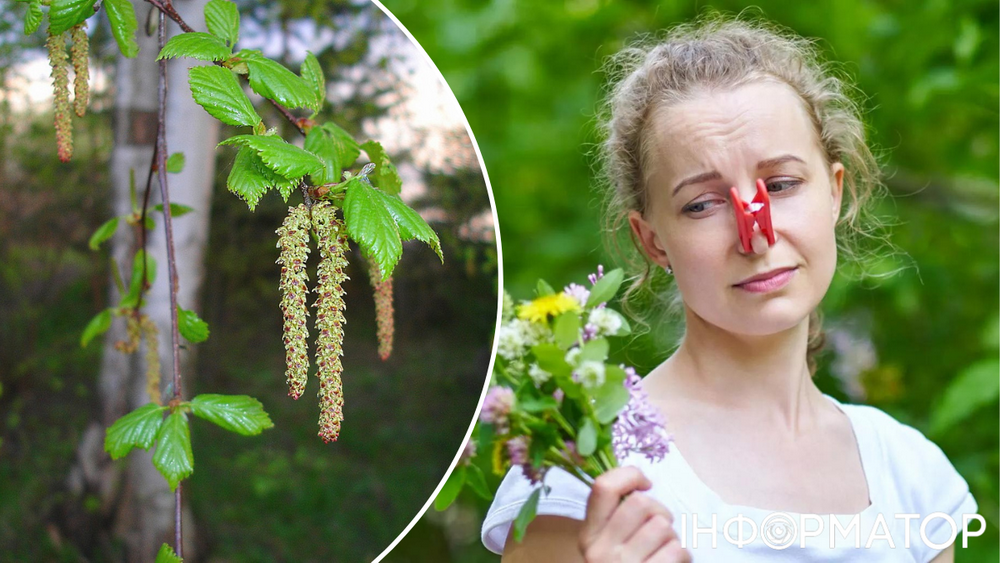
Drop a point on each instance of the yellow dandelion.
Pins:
(539, 310)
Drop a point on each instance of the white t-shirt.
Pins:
(906, 474)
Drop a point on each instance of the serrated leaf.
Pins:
(136, 285)
(526, 515)
(176, 209)
(64, 14)
(282, 157)
(476, 481)
(174, 458)
(335, 147)
(175, 163)
(191, 327)
(312, 73)
(566, 329)
(217, 90)
(121, 15)
(975, 386)
(411, 224)
(223, 20)
(103, 233)
(246, 178)
(386, 176)
(237, 413)
(96, 327)
(167, 555)
(137, 429)
(272, 80)
(449, 492)
(196, 45)
(372, 226)
(586, 438)
(605, 288)
(33, 17)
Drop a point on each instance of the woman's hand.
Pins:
(638, 529)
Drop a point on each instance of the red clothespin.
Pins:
(757, 211)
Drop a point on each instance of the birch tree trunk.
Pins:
(136, 505)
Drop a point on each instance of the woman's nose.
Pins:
(758, 242)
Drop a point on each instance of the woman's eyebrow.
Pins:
(714, 174)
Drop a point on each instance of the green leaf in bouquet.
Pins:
(595, 350)
(543, 288)
(449, 492)
(195, 45)
(137, 429)
(476, 481)
(103, 233)
(566, 329)
(605, 288)
(96, 327)
(572, 389)
(552, 359)
(586, 438)
(526, 515)
(223, 20)
(217, 90)
(121, 16)
(537, 404)
(174, 458)
(237, 413)
(611, 397)
(167, 555)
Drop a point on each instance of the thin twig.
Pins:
(161, 171)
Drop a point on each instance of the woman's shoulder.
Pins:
(916, 473)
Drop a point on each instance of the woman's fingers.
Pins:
(654, 535)
(606, 494)
(672, 552)
(631, 515)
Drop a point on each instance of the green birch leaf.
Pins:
(371, 225)
(167, 555)
(223, 20)
(283, 158)
(237, 413)
(96, 327)
(176, 209)
(586, 438)
(33, 17)
(312, 73)
(103, 233)
(196, 45)
(605, 288)
(335, 147)
(272, 80)
(476, 481)
(250, 178)
(449, 492)
(411, 224)
(64, 14)
(121, 15)
(217, 90)
(174, 458)
(191, 327)
(386, 176)
(136, 286)
(137, 429)
(175, 163)
(526, 515)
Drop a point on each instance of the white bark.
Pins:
(138, 500)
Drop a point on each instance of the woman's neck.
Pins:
(766, 375)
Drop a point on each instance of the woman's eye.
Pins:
(782, 186)
(697, 207)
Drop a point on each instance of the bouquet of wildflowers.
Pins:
(555, 400)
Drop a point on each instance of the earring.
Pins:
(670, 271)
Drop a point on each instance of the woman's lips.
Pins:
(774, 282)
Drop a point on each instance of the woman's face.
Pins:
(700, 148)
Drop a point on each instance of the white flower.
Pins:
(606, 321)
(538, 375)
(511, 343)
(572, 355)
(590, 374)
(578, 292)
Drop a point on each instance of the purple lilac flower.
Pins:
(558, 395)
(594, 277)
(468, 453)
(640, 427)
(497, 405)
(517, 449)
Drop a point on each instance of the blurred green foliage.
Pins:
(282, 496)
(528, 75)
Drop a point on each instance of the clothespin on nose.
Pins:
(757, 211)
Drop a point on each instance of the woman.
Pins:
(716, 110)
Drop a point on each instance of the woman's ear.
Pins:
(648, 238)
(837, 186)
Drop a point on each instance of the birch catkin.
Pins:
(293, 240)
(59, 61)
(330, 321)
(383, 309)
(80, 56)
(152, 336)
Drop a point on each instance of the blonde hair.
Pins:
(718, 52)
